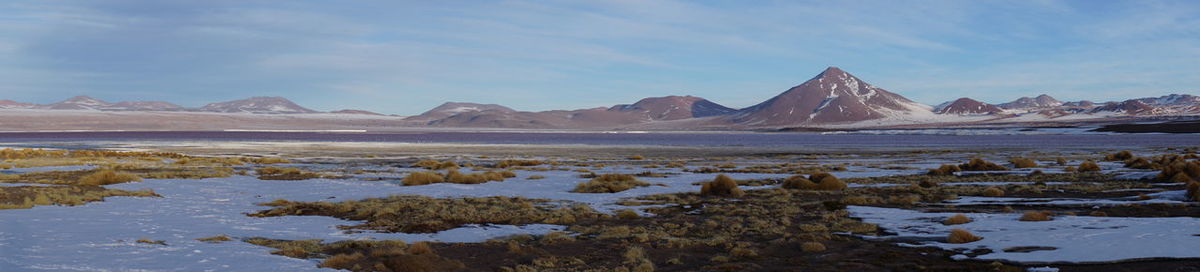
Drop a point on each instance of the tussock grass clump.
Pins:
(812, 247)
(454, 176)
(1119, 156)
(418, 214)
(512, 163)
(1180, 172)
(957, 219)
(1088, 166)
(535, 177)
(978, 164)
(993, 192)
(106, 177)
(609, 183)
(637, 157)
(387, 255)
(24, 197)
(1033, 216)
(215, 239)
(420, 248)
(722, 185)
(152, 242)
(423, 178)
(818, 181)
(627, 214)
(1023, 163)
(1193, 191)
(436, 165)
(285, 173)
(961, 236)
(1139, 163)
(945, 170)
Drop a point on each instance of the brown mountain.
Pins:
(144, 106)
(449, 109)
(9, 104)
(458, 114)
(833, 96)
(967, 106)
(81, 102)
(350, 111)
(260, 104)
(1041, 101)
(674, 108)
(1130, 107)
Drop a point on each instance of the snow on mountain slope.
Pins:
(967, 106)
(833, 96)
(143, 106)
(1041, 101)
(260, 104)
(9, 104)
(81, 102)
(675, 107)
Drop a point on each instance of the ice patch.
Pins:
(1080, 239)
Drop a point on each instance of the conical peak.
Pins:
(832, 72)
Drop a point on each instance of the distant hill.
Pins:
(832, 99)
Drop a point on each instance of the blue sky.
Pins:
(403, 57)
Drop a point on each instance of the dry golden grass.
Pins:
(722, 185)
(1180, 171)
(215, 239)
(961, 236)
(812, 247)
(342, 261)
(957, 219)
(535, 177)
(978, 164)
(418, 214)
(1139, 163)
(436, 165)
(609, 183)
(1119, 156)
(422, 178)
(945, 170)
(517, 163)
(389, 255)
(420, 248)
(637, 157)
(106, 177)
(152, 242)
(24, 197)
(285, 173)
(818, 181)
(993, 192)
(1036, 216)
(453, 176)
(1193, 191)
(1023, 163)
(1088, 166)
(627, 214)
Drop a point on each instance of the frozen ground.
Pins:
(1075, 238)
(101, 236)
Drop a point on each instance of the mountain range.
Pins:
(832, 99)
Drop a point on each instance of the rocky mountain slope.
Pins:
(967, 106)
(832, 99)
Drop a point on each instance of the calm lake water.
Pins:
(668, 139)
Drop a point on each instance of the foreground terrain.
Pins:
(403, 207)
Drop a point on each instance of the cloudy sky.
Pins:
(403, 57)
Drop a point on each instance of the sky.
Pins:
(405, 57)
